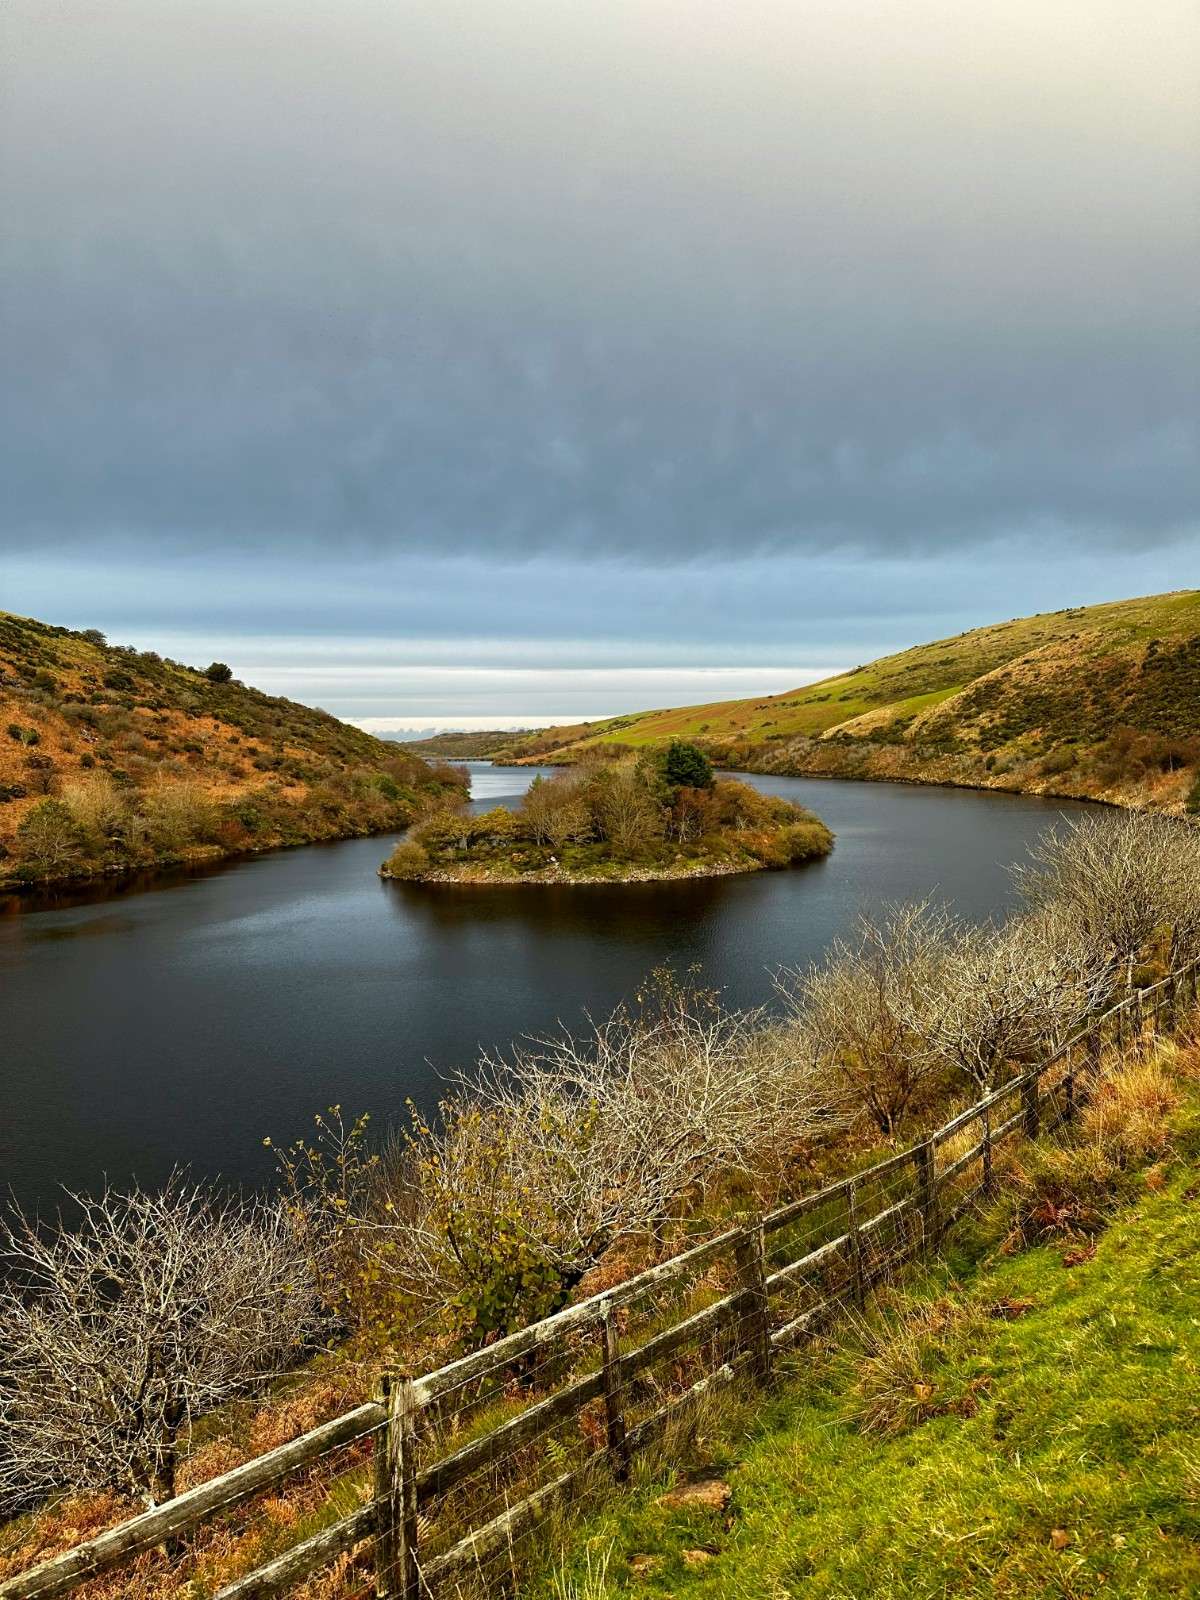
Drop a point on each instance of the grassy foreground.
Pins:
(1098, 702)
(1022, 1424)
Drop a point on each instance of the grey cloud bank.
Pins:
(666, 334)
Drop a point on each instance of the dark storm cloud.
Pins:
(660, 279)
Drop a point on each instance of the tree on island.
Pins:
(685, 766)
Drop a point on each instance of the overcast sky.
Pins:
(512, 360)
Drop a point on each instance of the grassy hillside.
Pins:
(112, 758)
(1022, 1424)
(1097, 701)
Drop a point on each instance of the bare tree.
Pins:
(116, 1332)
(626, 812)
(861, 1013)
(545, 1159)
(1117, 876)
(554, 810)
(1002, 994)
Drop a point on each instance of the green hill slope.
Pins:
(112, 758)
(1097, 701)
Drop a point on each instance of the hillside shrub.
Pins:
(408, 860)
(49, 838)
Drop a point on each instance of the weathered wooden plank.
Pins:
(649, 1426)
(792, 1212)
(303, 1559)
(615, 1437)
(382, 1463)
(1006, 1127)
(751, 1260)
(401, 1513)
(586, 1313)
(497, 1534)
(814, 1258)
(963, 1120)
(525, 1426)
(896, 1209)
(798, 1326)
(955, 1167)
(692, 1330)
(64, 1573)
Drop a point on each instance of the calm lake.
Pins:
(180, 1023)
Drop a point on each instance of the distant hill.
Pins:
(468, 746)
(1097, 701)
(112, 758)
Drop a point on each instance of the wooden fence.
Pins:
(465, 1460)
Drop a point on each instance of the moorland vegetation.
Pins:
(661, 815)
(113, 759)
(1098, 702)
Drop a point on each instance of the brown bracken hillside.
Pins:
(112, 759)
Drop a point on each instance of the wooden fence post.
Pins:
(750, 1256)
(397, 1576)
(1069, 1090)
(856, 1245)
(614, 1413)
(923, 1157)
(1031, 1104)
(385, 1533)
(989, 1181)
(1095, 1050)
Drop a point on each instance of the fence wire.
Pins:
(489, 1465)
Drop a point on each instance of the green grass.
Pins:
(1064, 1458)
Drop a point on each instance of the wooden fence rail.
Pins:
(740, 1331)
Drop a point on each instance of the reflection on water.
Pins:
(181, 1024)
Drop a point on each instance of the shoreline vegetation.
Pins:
(115, 761)
(646, 819)
(551, 1172)
(1088, 703)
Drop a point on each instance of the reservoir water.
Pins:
(179, 1023)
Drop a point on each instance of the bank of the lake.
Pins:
(183, 1018)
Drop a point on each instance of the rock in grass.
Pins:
(705, 1494)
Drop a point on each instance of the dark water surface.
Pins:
(181, 1023)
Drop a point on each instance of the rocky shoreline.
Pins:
(468, 874)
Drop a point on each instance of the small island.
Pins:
(656, 816)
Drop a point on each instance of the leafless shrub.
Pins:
(545, 1159)
(1119, 877)
(862, 1011)
(119, 1330)
(1000, 995)
(555, 810)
